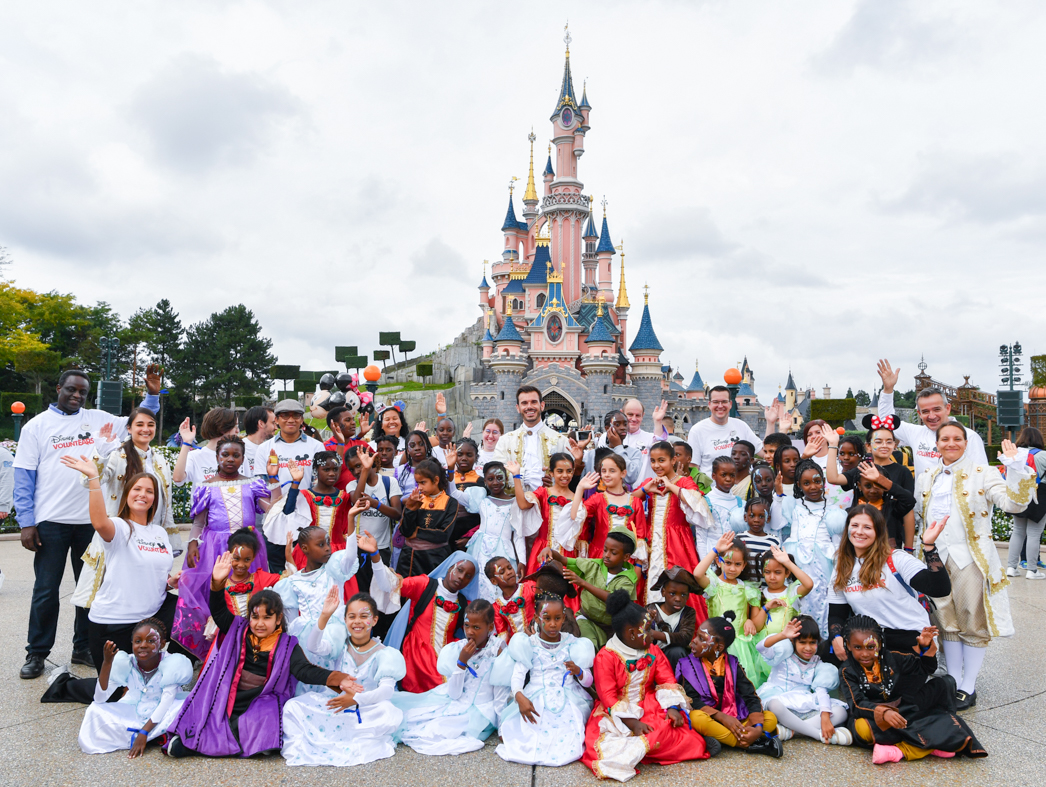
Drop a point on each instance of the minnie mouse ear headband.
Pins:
(680, 575)
(553, 569)
(873, 422)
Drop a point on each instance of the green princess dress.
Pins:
(723, 596)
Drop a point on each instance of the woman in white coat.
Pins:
(966, 491)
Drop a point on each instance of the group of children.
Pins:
(586, 620)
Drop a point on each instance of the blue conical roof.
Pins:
(646, 339)
(600, 332)
(696, 384)
(548, 167)
(508, 332)
(790, 385)
(605, 244)
(483, 284)
(590, 228)
(487, 337)
(538, 275)
(566, 92)
(511, 223)
(584, 99)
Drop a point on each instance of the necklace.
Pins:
(365, 647)
(432, 499)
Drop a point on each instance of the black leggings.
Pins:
(120, 633)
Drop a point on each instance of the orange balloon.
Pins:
(372, 374)
(17, 408)
(840, 430)
(732, 377)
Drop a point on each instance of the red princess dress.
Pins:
(593, 523)
(636, 684)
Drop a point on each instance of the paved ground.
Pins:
(38, 742)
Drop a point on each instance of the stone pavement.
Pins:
(38, 742)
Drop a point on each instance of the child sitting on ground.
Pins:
(725, 705)
(671, 622)
(640, 712)
(797, 690)
(352, 728)
(151, 701)
(459, 715)
(545, 725)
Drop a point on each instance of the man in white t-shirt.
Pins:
(934, 410)
(639, 437)
(290, 442)
(716, 436)
(259, 424)
(532, 444)
(51, 504)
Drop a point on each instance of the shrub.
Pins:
(835, 411)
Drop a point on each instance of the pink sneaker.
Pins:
(944, 755)
(884, 754)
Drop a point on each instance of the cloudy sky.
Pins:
(813, 184)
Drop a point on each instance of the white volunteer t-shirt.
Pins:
(709, 440)
(923, 441)
(251, 457)
(60, 497)
(889, 604)
(201, 465)
(374, 522)
(301, 450)
(137, 563)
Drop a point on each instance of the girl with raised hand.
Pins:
(114, 465)
(797, 690)
(305, 592)
(553, 501)
(814, 529)
(220, 507)
(152, 699)
(727, 591)
(726, 709)
(545, 725)
(459, 714)
(896, 707)
(354, 727)
(640, 713)
(508, 514)
(780, 598)
(236, 705)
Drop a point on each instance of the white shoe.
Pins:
(784, 733)
(1035, 575)
(842, 737)
(1013, 572)
(55, 673)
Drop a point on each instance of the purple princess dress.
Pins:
(219, 509)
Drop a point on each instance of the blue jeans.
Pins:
(57, 542)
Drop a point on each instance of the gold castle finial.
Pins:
(566, 36)
(531, 194)
(512, 185)
(646, 294)
(604, 204)
(622, 294)
(599, 307)
(697, 364)
(508, 309)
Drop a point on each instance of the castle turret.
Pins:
(530, 196)
(621, 306)
(646, 364)
(488, 337)
(604, 259)
(549, 174)
(484, 290)
(600, 364)
(508, 364)
(696, 389)
(790, 392)
(588, 256)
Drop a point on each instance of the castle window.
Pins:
(502, 395)
(540, 300)
(606, 389)
(517, 305)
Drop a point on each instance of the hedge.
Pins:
(834, 411)
(34, 403)
(248, 402)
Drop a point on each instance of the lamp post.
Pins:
(1010, 402)
(732, 378)
(372, 374)
(17, 414)
(110, 345)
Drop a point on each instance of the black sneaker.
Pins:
(82, 657)
(964, 701)
(769, 745)
(712, 746)
(33, 667)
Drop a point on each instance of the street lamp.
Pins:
(1010, 364)
(732, 378)
(17, 414)
(110, 346)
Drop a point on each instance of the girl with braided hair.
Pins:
(545, 725)
(895, 707)
(151, 680)
(814, 527)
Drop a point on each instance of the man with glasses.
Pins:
(717, 435)
(289, 442)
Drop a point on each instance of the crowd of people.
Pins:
(627, 598)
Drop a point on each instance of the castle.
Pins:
(551, 315)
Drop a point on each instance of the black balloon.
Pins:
(344, 381)
(337, 399)
(327, 382)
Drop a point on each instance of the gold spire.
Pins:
(508, 308)
(646, 294)
(622, 294)
(599, 308)
(531, 194)
(512, 186)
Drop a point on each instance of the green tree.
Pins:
(164, 343)
(862, 398)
